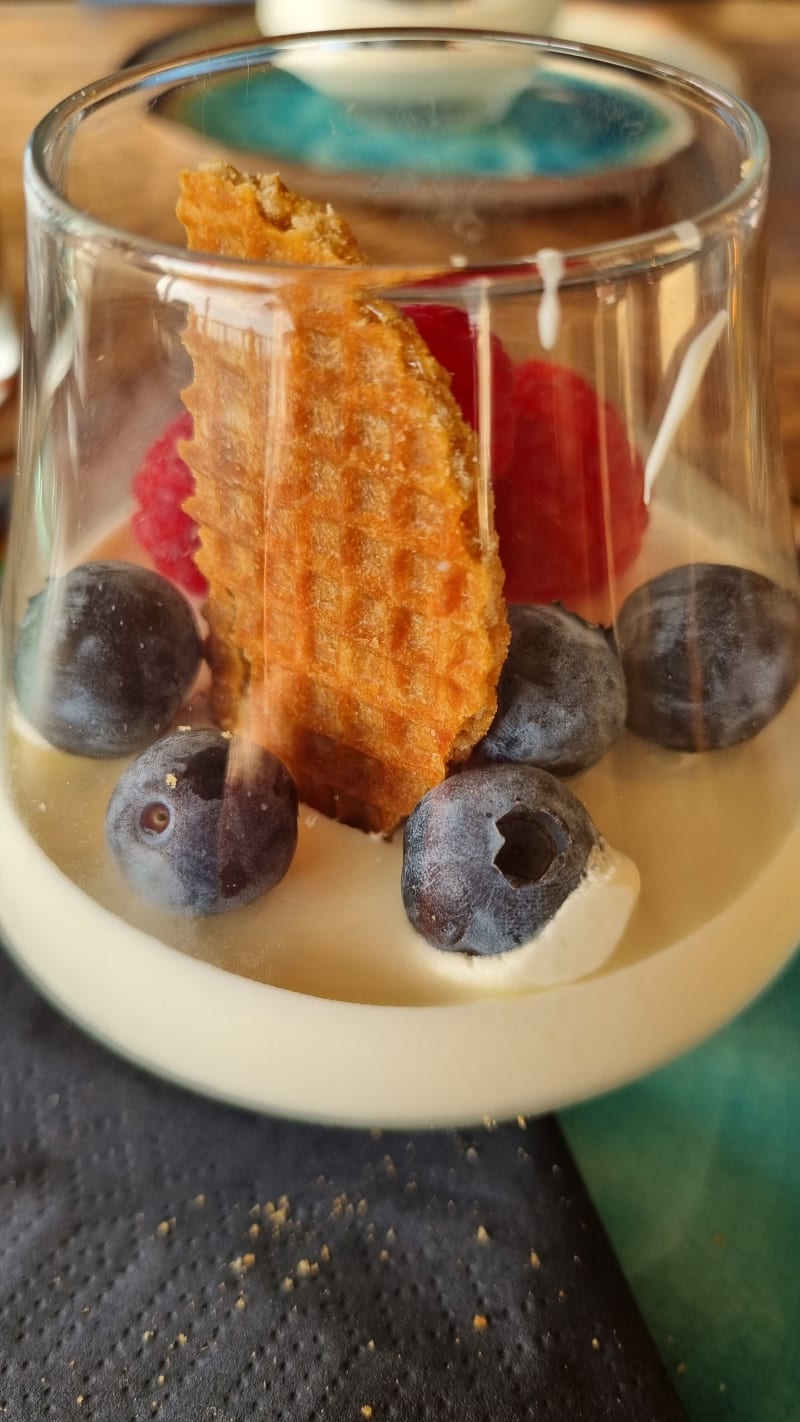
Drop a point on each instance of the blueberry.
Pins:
(202, 822)
(561, 700)
(103, 658)
(490, 855)
(710, 652)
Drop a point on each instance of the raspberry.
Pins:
(450, 337)
(161, 524)
(570, 514)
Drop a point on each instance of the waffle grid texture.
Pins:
(353, 596)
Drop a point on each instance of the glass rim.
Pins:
(609, 260)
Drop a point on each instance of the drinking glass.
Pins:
(400, 630)
(9, 367)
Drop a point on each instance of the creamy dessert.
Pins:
(320, 999)
(413, 852)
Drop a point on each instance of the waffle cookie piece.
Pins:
(356, 613)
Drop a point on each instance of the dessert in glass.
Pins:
(401, 631)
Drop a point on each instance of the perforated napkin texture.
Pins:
(164, 1257)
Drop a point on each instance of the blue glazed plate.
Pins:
(560, 127)
(562, 135)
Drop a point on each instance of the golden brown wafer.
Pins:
(356, 612)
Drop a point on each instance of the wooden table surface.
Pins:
(49, 49)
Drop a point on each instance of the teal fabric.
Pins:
(696, 1173)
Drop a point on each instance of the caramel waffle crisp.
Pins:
(357, 626)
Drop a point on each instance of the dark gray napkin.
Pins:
(165, 1257)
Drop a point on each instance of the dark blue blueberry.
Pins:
(561, 697)
(490, 855)
(104, 657)
(710, 652)
(202, 822)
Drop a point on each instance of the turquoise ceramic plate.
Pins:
(553, 142)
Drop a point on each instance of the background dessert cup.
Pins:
(359, 427)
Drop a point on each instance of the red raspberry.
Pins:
(570, 514)
(161, 524)
(451, 339)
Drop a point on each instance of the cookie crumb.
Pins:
(482, 1235)
(366, 1410)
(241, 1303)
(171, 779)
(384, 1256)
(287, 1285)
(324, 1253)
(480, 1322)
(535, 1261)
(278, 1214)
(254, 1231)
(521, 1122)
(148, 1335)
(182, 1340)
(471, 1153)
(242, 1263)
(596, 1344)
(163, 1229)
(371, 1349)
(199, 1202)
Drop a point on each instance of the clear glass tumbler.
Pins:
(9, 370)
(401, 631)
